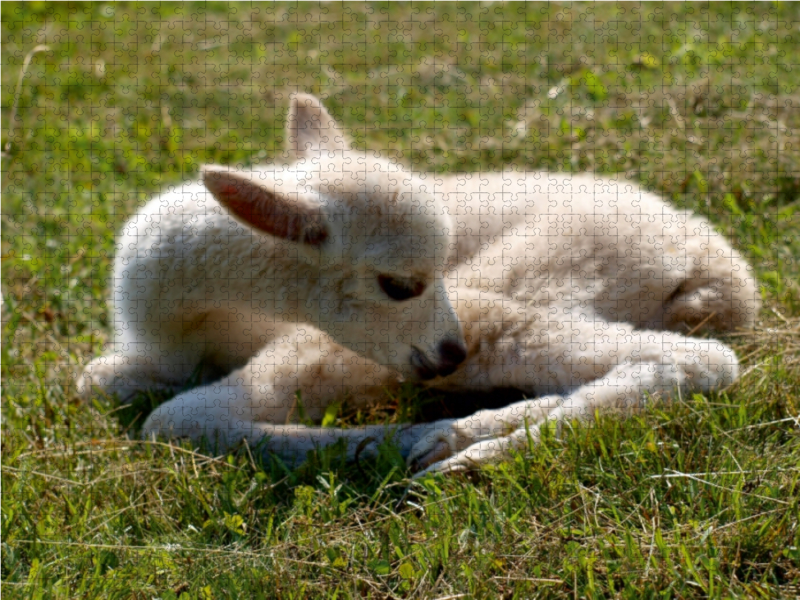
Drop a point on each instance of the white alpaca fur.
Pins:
(575, 289)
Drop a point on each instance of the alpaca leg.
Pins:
(216, 346)
(214, 413)
(232, 410)
(126, 375)
(654, 363)
(285, 379)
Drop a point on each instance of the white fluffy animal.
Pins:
(344, 273)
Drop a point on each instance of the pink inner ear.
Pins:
(227, 191)
(269, 212)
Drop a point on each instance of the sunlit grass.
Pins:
(698, 497)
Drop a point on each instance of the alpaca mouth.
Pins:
(424, 368)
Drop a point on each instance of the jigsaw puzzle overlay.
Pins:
(341, 274)
(427, 300)
(269, 289)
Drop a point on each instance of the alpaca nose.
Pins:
(451, 354)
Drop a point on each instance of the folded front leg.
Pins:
(293, 378)
(192, 415)
(217, 414)
(655, 363)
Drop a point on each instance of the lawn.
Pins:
(105, 104)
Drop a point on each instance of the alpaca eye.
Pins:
(398, 288)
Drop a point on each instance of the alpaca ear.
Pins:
(311, 129)
(251, 198)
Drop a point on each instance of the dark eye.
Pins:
(399, 288)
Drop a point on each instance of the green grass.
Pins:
(699, 103)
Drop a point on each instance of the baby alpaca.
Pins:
(344, 273)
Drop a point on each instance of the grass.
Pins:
(698, 497)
